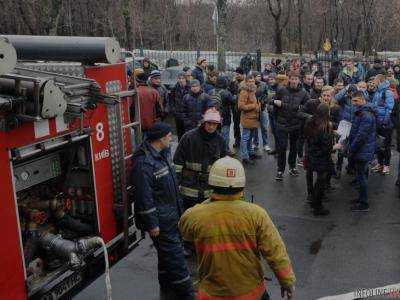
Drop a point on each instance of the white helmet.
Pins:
(227, 172)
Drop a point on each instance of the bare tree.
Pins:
(275, 8)
(300, 10)
(222, 8)
(367, 13)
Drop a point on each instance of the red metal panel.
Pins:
(103, 173)
(12, 281)
(105, 73)
(101, 148)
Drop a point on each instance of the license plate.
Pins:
(64, 287)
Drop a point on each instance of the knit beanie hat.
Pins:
(157, 131)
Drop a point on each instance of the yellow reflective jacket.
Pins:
(230, 236)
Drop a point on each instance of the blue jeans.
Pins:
(263, 128)
(245, 142)
(361, 176)
(225, 130)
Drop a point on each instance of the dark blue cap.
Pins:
(157, 131)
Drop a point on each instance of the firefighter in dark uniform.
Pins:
(158, 208)
(196, 152)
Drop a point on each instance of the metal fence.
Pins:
(188, 58)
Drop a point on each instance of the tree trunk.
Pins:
(300, 25)
(278, 38)
(127, 11)
(221, 34)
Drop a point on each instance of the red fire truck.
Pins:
(66, 138)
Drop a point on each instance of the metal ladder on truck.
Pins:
(120, 162)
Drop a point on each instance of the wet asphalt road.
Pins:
(331, 255)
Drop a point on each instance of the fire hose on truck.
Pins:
(65, 145)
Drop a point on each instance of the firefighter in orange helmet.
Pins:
(230, 237)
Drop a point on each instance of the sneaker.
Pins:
(377, 169)
(294, 172)
(321, 212)
(255, 149)
(397, 182)
(267, 149)
(236, 145)
(279, 176)
(272, 152)
(309, 199)
(246, 161)
(255, 156)
(300, 162)
(360, 207)
(385, 170)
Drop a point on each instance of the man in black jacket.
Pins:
(227, 105)
(234, 89)
(180, 89)
(262, 97)
(287, 104)
(315, 93)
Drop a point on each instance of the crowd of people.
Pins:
(272, 111)
(295, 111)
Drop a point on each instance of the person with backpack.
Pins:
(383, 101)
(262, 97)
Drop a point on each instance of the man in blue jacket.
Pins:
(383, 101)
(195, 103)
(180, 89)
(158, 208)
(199, 70)
(343, 98)
(362, 144)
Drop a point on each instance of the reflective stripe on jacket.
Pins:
(230, 236)
(194, 156)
